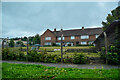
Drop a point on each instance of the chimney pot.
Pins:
(55, 29)
(82, 28)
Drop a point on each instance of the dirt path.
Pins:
(66, 65)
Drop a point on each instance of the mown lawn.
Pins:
(39, 71)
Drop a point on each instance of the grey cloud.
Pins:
(27, 18)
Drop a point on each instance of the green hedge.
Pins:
(112, 56)
(34, 56)
(79, 59)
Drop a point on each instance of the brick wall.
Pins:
(47, 33)
(54, 39)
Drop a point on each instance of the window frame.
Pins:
(82, 43)
(84, 36)
(59, 38)
(72, 37)
(48, 43)
(47, 37)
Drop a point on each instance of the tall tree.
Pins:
(36, 39)
(11, 44)
(20, 43)
(115, 15)
(24, 39)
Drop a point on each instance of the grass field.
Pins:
(67, 53)
(68, 47)
(39, 71)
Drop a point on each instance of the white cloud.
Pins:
(101, 4)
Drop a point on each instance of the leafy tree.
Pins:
(20, 43)
(24, 39)
(11, 44)
(36, 39)
(115, 15)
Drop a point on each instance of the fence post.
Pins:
(61, 47)
(27, 48)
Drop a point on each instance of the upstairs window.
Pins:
(47, 38)
(84, 36)
(59, 38)
(72, 37)
(96, 36)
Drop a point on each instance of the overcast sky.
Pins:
(29, 18)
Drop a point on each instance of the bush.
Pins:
(32, 56)
(52, 58)
(53, 44)
(112, 58)
(5, 53)
(112, 55)
(79, 59)
(21, 56)
(69, 44)
(68, 60)
(12, 54)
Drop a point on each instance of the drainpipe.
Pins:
(105, 37)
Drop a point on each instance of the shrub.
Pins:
(68, 60)
(69, 44)
(112, 58)
(32, 55)
(112, 55)
(21, 56)
(51, 58)
(79, 59)
(5, 53)
(12, 54)
(53, 44)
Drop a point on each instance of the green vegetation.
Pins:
(36, 39)
(40, 71)
(112, 56)
(44, 56)
(11, 44)
(79, 59)
(111, 17)
(20, 43)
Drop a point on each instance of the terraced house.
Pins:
(73, 37)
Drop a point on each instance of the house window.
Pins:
(85, 37)
(58, 43)
(96, 36)
(59, 38)
(47, 38)
(83, 43)
(48, 43)
(72, 37)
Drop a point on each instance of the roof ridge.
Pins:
(80, 29)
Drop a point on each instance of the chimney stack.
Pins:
(55, 29)
(61, 30)
(82, 28)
